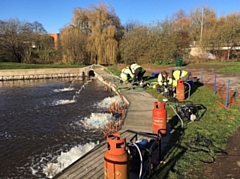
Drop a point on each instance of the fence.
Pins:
(226, 86)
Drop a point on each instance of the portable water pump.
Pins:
(145, 154)
(188, 112)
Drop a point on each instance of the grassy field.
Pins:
(9, 65)
(194, 145)
(197, 143)
(224, 67)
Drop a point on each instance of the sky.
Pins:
(55, 14)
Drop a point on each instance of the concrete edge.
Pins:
(27, 74)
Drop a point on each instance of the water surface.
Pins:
(39, 120)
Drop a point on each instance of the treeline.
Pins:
(25, 42)
(96, 35)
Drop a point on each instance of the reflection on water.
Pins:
(34, 132)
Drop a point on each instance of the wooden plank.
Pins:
(95, 168)
(92, 164)
(78, 165)
(93, 161)
(81, 168)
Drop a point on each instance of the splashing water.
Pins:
(64, 89)
(79, 91)
(70, 88)
(109, 100)
(74, 99)
(48, 131)
(63, 101)
(66, 158)
(74, 80)
(97, 120)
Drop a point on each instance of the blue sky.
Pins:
(54, 14)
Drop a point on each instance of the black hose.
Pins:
(202, 144)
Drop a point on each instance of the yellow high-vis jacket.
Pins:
(125, 73)
(166, 81)
(177, 74)
(133, 67)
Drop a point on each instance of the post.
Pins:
(215, 83)
(201, 26)
(201, 78)
(151, 67)
(227, 92)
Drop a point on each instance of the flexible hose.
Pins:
(189, 91)
(141, 164)
(177, 114)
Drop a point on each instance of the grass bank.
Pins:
(222, 67)
(197, 143)
(9, 65)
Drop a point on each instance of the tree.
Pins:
(229, 32)
(134, 44)
(103, 30)
(73, 45)
(17, 40)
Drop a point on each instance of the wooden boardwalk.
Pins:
(138, 119)
(91, 165)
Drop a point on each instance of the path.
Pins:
(138, 118)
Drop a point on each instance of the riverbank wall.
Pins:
(48, 73)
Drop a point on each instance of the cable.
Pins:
(177, 114)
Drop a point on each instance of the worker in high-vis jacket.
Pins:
(165, 82)
(125, 75)
(137, 72)
(180, 74)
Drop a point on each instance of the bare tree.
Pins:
(17, 39)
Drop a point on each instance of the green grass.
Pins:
(216, 124)
(113, 69)
(222, 67)
(213, 129)
(9, 65)
(230, 69)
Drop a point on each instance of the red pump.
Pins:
(159, 118)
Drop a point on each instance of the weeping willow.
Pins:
(100, 26)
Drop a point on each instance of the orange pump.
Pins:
(159, 118)
(180, 90)
(116, 158)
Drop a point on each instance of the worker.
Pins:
(165, 82)
(180, 74)
(126, 75)
(137, 72)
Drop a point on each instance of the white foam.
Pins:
(63, 101)
(64, 89)
(67, 158)
(97, 120)
(105, 103)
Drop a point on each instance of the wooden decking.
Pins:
(138, 119)
(91, 165)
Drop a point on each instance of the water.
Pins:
(45, 125)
